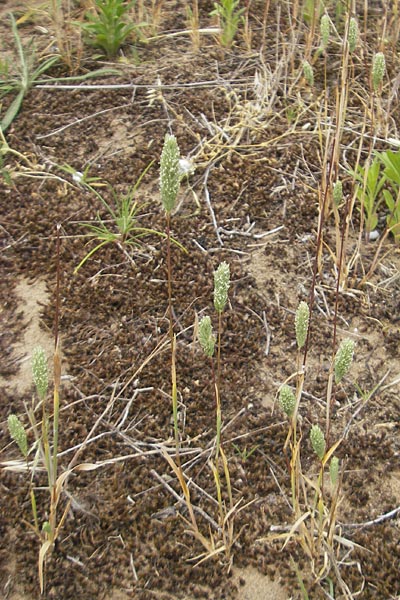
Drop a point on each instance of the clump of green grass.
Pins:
(314, 511)
(28, 73)
(370, 182)
(229, 15)
(377, 186)
(120, 224)
(391, 163)
(222, 539)
(109, 26)
(45, 448)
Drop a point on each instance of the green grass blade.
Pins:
(18, 44)
(135, 187)
(12, 111)
(164, 235)
(44, 66)
(97, 73)
(89, 254)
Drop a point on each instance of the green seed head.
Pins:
(206, 336)
(378, 70)
(301, 323)
(46, 527)
(287, 400)
(18, 434)
(325, 28)
(317, 441)
(170, 174)
(39, 372)
(343, 359)
(353, 35)
(334, 470)
(308, 73)
(338, 192)
(221, 286)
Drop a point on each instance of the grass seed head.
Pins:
(353, 35)
(308, 73)
(287, 400)
(301, 322)
(46, 527)
(317, 441)
(221, 286)
(378, 69)
(343, 359)
(170, 174)
(325, 29)
(206, 336)
(18, 433)
(39, 372)
(334, 470)
(338, 193)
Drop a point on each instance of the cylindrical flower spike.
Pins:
(221, 286)
(206, 336)
(308, 73)
(287, 400)
(317, 441)
(301, 322)
(325, 29)
(337, 193)
(378, 70)
(334, 470)
(18, 433)
(343, 359)
(170, 173)
(353, 35)
(40, 372)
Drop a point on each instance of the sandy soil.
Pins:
(252, 201)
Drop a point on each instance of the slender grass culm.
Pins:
(67, 36)
(207, 341)
(169, 187)
(46, 449)
(45, 432)
(170, 178)
(221, 287)
(192, 15)
(221, 533)
(290, 402)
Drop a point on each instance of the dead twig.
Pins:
(178, 498)
(210, 208)
(380, 519)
